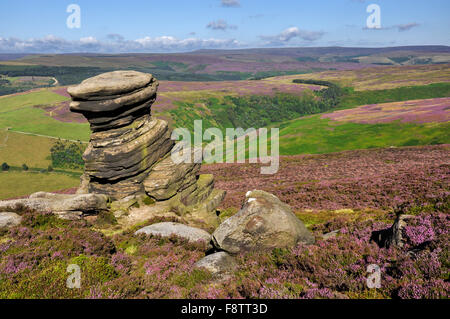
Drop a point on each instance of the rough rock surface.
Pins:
(112, 83)
(129, 153)
(264, 222)
(168, 229)
(57, 203)
(167, 178)
(217, 263)
(8, 219)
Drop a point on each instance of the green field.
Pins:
(16, 183)
(20, 114)
(25, 113)
(33, 120)
(19, 101)
(419, 92)
(17, 149)
(313, 135)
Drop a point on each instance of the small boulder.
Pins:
(394, 235)
(217, 263)
(9, 219)
(331, 235)
(168, 229)
(263, 223)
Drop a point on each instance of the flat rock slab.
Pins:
(8, 219)
(168, 229)
(217, 263)
(263, 223)
(110, 84)
(49, 202)
(330, 235)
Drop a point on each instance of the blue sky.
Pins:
(183, 25)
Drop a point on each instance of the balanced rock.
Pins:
(168, 229)
(8, 219)
(130, 153)
(125, 142)
(263, 223)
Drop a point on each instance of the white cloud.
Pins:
(231, 3)
(114, 44)
(220, 25)
(291, 33)
(88, 40)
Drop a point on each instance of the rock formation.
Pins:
(129, 153)
(125, 141)
(63, 205)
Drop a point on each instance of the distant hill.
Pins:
(213, 65)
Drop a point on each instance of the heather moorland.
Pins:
(364, 140)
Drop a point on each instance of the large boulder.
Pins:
(8, 219)
(263, 223)
(168, 229)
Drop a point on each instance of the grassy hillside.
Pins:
(34, 120)
(306, 116)
(17, 183)
(313, 135)
(380, 78)
(19, 101)
(356, 98)
(17, 149)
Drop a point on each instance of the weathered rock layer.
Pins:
(129, 151)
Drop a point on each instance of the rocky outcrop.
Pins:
(65, 206)
(168, 229)
(125, 142)
(8, 219)
(263, 223)
(129, 153)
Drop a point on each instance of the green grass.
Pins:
(19, 113)
(15, 184)
(357, 98)
(33, 120)
(313, 135)
(17, 149)
(44, 97)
